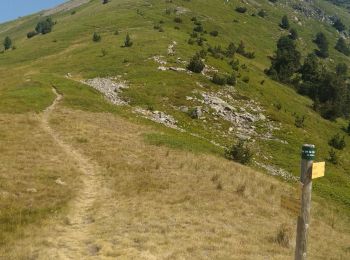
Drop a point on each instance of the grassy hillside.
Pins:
(67, 55)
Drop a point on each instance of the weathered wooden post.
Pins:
(307, 156)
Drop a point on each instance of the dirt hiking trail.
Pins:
(72, 240)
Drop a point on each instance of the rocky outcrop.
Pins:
(109, 87)
(158, 117)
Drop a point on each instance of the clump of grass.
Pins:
(241, 189)
(284, 235)
(82, 140)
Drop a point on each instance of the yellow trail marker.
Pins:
(318, 169)
(292, 204)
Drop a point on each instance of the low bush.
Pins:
(219, 79)
(96, 37)
(196, 64)
(239, 152)
(177, 20)
(337, 142)
(214, 33)
(299, 121)
(241, 9)
(31, 34)
(333, 157)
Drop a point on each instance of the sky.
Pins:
(12, 9)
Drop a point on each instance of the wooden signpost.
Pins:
(301, 206)
(309, 171)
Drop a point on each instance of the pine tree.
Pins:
(128, 42)
(285, 23)
(286, 61)
(241, 48)
(338, 24)
(322, 44)
(342, 47)
(7, 43)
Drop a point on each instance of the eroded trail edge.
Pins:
(72, 238)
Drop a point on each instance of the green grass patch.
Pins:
(183, 141)
(26, 97)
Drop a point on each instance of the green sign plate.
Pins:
(308, 152)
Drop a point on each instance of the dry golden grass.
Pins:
(156, 203)
(30, 164)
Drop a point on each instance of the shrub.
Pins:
(31, 34)
(45, 26)
(235, 64)
(293, 34)
(103, 52)
(285, 22)
(348, 129)
(194, 35)
(322, 43)
(214, 33)
(219, 79)
(262, 13)
(168, 11)
(105, 2)
(232, 80)
(337, 142)
(299, 121)
(216, 52)
(202, 54)
(190, 41)
(128, 42)
(198, 28)
(96, 37)
(231, 50)
(7, 43)
(333, 157)
(177, 20)
(196, 64)
(278, 106)
(241, 9)
(342, 46)
(249, 55)
(246, 79)
(338, 24)
(239, 152)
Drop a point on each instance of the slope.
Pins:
(67, 55)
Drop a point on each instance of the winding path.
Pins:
(72, 239)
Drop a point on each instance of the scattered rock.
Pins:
(197, 112)
(158, 117)
(209, 71)
(181, 10)
(171, 48)
(159, 59)
(109, 88)
(183, 109)
(60, 182)
(275, 171)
